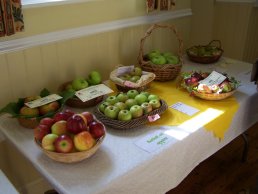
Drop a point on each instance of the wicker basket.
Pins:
(124, 86)
(163, 72)
(71, 157)
(213, 96)
(121, 125)
(206, 59)
(77, 103)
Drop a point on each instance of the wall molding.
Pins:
(42, 39)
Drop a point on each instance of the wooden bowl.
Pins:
(73, 156)
(213, 96)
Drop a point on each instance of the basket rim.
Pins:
(213, 96)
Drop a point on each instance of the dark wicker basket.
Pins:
(206, 59)
(116, 124)
(163, 72)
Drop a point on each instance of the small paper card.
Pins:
(189, 110)
(43, 101)
(93, 92)
(214, 78)
(153, 118)
(153, 141)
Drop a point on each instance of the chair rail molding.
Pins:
(41, 39)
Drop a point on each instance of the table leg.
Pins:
(246, 146)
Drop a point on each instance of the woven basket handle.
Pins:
(215, 41)
(148, 33)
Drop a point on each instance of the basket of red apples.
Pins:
(69, 137)
(209, 85)
(131, 109)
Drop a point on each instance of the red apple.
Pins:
(84, 141)
(26, 111)
(47, 121)
(48, 142)
(59, 127)
(76, 124)
(64, 115)
(64, 144)
(88, 116)
(50, 107)
(40, 131)
(96, 129)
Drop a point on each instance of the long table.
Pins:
(120, 166)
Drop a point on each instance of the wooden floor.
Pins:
(224, 172)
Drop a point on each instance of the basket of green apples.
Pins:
(201, 85)
(69, 137)
(131, 109)
(165, 65)
(79, 83)
(131, 77)
(28, 116)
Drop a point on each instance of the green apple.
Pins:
(132, 93)
(124, 115)
(153, 97)
(94, 78)
(130, 102)
(121, 105)
(159, 60)
(147, 107)
(167, 54)
(153, 53)
(103, 105)
(173, 60)
(48, 142)
(141, 98)
(155, 103)
(136, 111)
(111, 99)
(136, 71)
(145, 93)
(79, 84)
(111, 111)
(121, 97)
(135, 78)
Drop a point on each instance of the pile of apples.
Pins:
(129, 105)
(69, 132)
(132, 76)
(191, 83)
(38, 111)
(159, 58)
(80, 83)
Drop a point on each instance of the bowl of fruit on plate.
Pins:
(205, 54)
(131, 77)
(131, 109)
(208, 85)
(79, 83)
(69, 137)
(30, 110)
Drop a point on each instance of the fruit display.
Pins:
(68, 135)
(131, 77)
(159, 58)
(129, 109)
(29, 117)
(79, 83)
(201, 85)
(205, 53)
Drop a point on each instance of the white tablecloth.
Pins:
(119, 166)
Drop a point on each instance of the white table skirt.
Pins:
(119, 166)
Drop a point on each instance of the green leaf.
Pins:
(44, 92)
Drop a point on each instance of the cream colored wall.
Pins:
(26, 72)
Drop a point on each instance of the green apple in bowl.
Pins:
(132, 93)
(94, 78)
(130, 102)
(136, 71)
(173, 59)
(159, 60)
(111, 111)
(121, 97)
(121, 105)
(136, 111)
(79, 84)
(147, 107)
(111, 99)
(155, 104)
(153, 54)
(153, 97)
(102, 106)
(124, 115)
(141, 98)
(135, 78)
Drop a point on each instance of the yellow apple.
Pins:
(50, 107)
(84, 141)
(26, 111)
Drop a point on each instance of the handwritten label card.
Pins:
(189, 110)
(93, 92)
(214, 78)
(43, 101)
(153, 141)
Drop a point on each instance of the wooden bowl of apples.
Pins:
(69, 137)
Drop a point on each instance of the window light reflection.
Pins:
(194, 124)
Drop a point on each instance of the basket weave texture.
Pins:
(206, 59)
(71, 157)
(121, 125)
(213, 96)
(163, 72)
(140, 85)
(77, 103)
